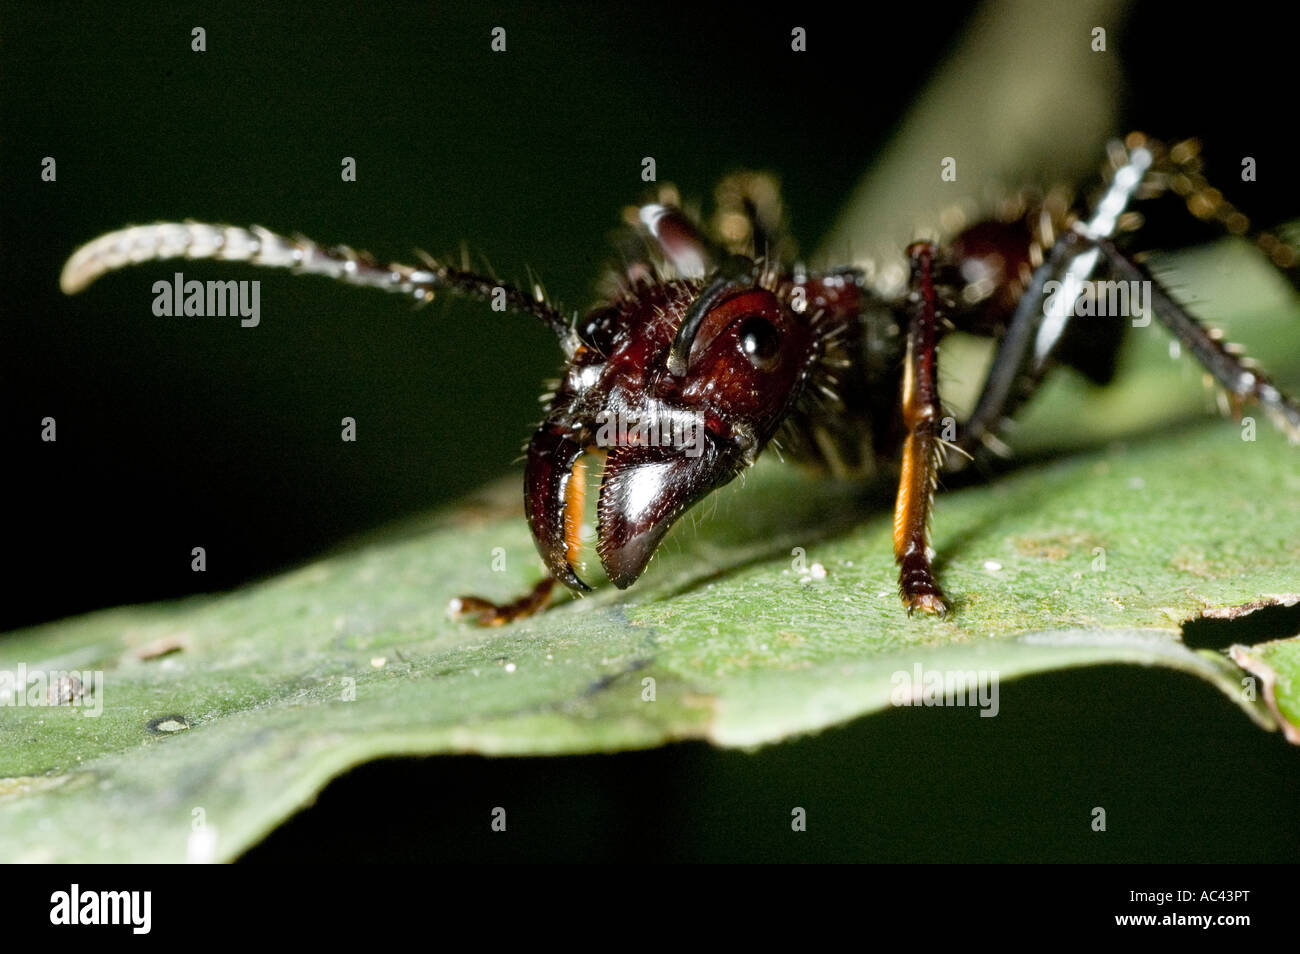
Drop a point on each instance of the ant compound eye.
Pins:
(761, 342)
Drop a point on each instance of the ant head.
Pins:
(680, 383)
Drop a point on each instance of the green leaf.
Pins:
(1277, 664)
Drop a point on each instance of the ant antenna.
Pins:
(259, 246)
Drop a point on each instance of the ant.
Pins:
(717, 334)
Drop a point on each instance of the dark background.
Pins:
(197, 432)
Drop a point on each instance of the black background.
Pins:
(177, 434)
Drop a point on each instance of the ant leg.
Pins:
(1244, 383)
(1038, 327)
(487, 613)
(1025, 349)
(1015, 372)
(922, 448)
(1177, 170)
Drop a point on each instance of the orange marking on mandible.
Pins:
(575, 498)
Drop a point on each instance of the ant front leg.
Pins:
(922, 447)
(487, 613)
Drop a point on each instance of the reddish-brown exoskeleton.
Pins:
(710, 342)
